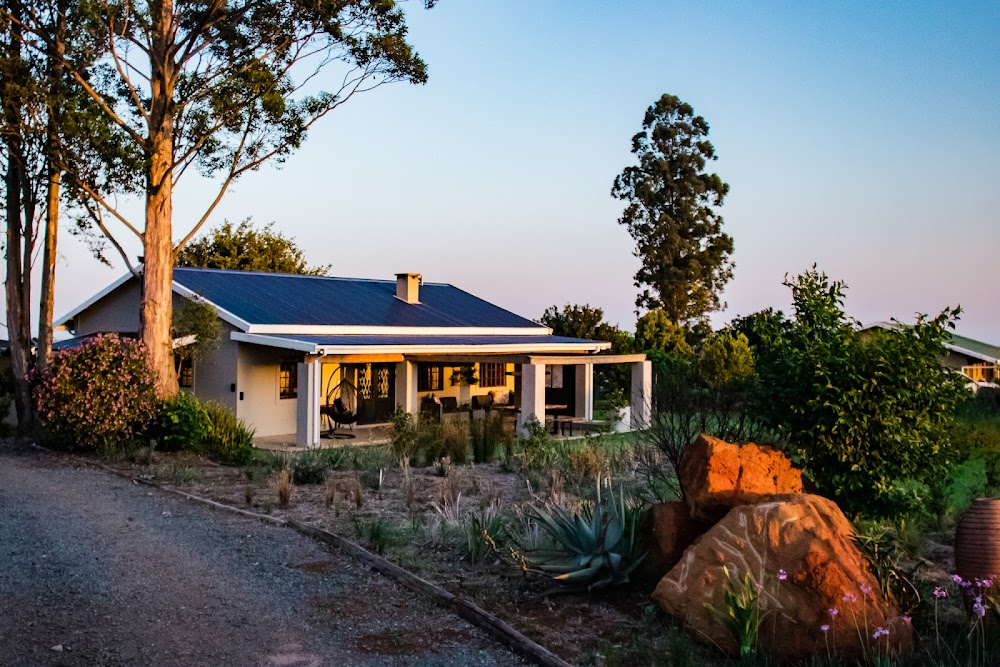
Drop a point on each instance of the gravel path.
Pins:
(95, 570)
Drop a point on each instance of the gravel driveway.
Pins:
(95, 570)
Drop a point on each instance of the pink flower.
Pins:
(880, 632)
(824, 628)
(907, 620)
(849, 597)
(833, 611)
(782, 575)
(865, 589)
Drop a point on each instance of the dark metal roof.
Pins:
(276, 298)
(351, 340)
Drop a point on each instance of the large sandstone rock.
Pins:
(808, 539)
(717, 475)
(670, 530)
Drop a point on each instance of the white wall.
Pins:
(215, 372)
(257, 379)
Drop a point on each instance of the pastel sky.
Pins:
(861, 136)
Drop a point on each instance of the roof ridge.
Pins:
(300, 275)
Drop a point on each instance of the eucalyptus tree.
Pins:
(19, 101)
(221, 86)
(48, 126)
(672, 213)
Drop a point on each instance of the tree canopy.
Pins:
(672, 213)
(865, 412)
(247, 248)
(220, 87)
(657, 331)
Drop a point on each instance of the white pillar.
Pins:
(307, 416)
(532, 395)
(406, 386)
(642, 394)
(585, 391)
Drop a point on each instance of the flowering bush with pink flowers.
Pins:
(101, 392)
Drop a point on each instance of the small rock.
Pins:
(58, 648)
(166, 513)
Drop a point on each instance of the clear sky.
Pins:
(861, 136)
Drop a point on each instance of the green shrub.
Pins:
(310, 467)
(181, 423)
(103, 391)
(404, 434)
(863, 411)
(228, 440)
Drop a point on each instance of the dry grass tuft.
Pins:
(283, 486)
(407, 485)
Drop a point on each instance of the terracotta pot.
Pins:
(977, 541)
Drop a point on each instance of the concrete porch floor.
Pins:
(369, 434)
(381, 434)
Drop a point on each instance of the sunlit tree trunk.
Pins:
(47, 299)
(157, 294)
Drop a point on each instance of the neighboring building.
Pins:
(292, 343)
(977, 361)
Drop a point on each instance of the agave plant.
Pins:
(597, 546)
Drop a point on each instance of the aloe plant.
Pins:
(597, 547)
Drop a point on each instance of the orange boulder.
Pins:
(717, 476)
(815, 593)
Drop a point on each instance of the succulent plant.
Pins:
(596, 547)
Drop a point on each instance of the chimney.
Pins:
(408, 287)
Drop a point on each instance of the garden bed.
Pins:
(430, 520)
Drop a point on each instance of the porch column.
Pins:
(406, 386)
(307, 416)
(585, 391)
(642, 394)
(532, 395)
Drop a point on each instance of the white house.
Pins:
(292, 343)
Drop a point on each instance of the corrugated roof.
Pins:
(978, 347)
(284, 299)
(422, 341)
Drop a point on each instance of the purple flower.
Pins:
(824, 628)
(978, 607)
(880, 632)
(957, 579)
(907, 620)
(940, 593)
(866, 589)
(849, 597)
(782, 575)
(833, 611)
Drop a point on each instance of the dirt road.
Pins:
(95, 570)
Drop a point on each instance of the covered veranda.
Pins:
(533, 392)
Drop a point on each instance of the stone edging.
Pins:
(464, 608)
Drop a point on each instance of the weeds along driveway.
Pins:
(95, 570)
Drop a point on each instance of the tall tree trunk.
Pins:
(158, 246)
(20, 345)
(47, 302)
(18, 258)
